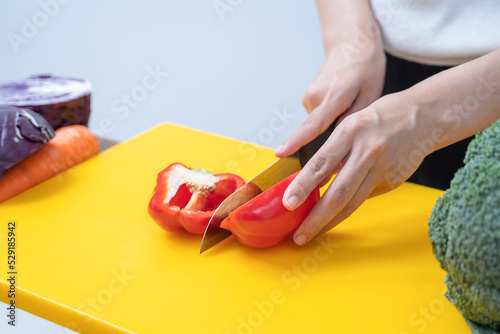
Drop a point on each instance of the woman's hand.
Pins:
(374, 150)
(352, 76)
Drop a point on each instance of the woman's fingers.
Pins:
(375, 152)
(364, 149)
(314, 95)
(344, 195)
(334, 104)
(365, 191)
(343, 96)
(315, 124)
(319, 167)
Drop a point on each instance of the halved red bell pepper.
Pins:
(187, 198)
(264, 221)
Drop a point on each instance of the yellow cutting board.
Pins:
(89, 258)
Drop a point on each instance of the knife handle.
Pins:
(306, 152)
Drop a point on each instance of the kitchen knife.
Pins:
(278, 171)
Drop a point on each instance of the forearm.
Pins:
(457, 103)
(347, 21)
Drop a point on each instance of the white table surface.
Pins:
(239, 73)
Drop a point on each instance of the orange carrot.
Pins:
(71, 145)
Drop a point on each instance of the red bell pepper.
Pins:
(264, 221)
(187, 198)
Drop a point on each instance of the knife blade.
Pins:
(270, 176)
(278, 171)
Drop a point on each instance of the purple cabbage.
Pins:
(22, 132)
(61, 101)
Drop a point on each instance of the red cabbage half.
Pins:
(61, 101)
(22, 132)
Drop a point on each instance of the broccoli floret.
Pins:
(464, 229)
(485, 144)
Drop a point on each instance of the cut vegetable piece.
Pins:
(264, 221)
(22, 132)
(61, 101)
(186, 198)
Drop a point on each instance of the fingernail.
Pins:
(280, 149)
(291, 203)
(300, 239)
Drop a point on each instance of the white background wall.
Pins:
(229, 73)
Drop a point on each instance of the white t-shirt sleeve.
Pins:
(446, 32)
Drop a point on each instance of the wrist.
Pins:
(429, 131)
(360, 42)
(351, 23)
(404, 116)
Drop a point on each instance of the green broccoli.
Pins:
(464, 229)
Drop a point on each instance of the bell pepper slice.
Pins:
(186, 198)
(264, 221)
